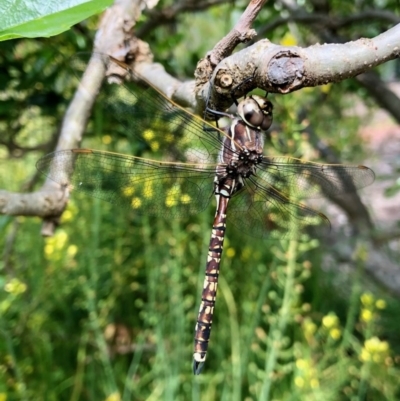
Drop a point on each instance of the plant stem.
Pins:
(279, 328)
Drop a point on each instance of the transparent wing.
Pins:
(303, 179)
(269, 205)
(264, 212)
(146, 186)
(150, 117)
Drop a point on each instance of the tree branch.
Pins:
(281, 69)
(40, 203)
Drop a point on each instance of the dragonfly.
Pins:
(258, 194)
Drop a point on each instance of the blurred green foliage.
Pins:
(33, 19)
(105, 309)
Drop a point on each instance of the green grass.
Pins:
(74, 307)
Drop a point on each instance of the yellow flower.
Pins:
(172, 195)
(15, 287)
(72, 250)
(66, 216)
(301, 364)
(306, 374)
(3, 397)
(365, 356)
(148, 191)
(106, 139)
(299, 382)
(381, 346)
(114, 397)
(69, 213)
(289, 40)
(230, 252)
(380, 304)
(136, 203)
(366, 315)
(309, 328)
(326, 88)
(58, 240)
(61, 239)
(128, 190)
(329, 321)
(375, 350)
(170, 201)
(335, 333)
(367, 299)
(154, 145)
(185, 199)
(148, 134)
(54, 246)
(48, 249)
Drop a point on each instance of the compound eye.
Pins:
(250, 112)
(266, 107)
(256, 112)
(266, 123)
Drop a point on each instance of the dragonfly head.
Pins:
(256, 112)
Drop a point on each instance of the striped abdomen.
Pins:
(206, 311)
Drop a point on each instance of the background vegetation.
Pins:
(105, 309)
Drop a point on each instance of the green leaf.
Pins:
(33, 18)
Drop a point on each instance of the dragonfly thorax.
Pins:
(240, 166)
(242, 150)
(245, 165)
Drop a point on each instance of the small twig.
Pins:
(241, 33)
